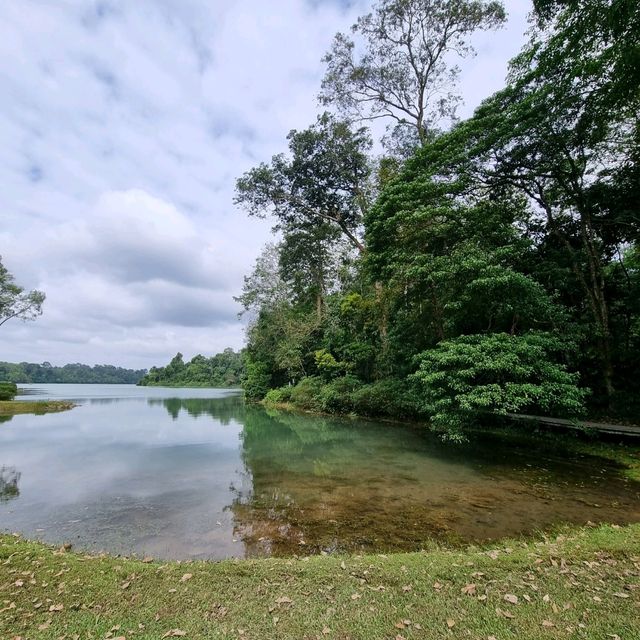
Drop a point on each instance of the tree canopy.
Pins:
(15, 302)
(498, 267)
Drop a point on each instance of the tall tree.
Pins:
(325, 179)
(15, 302)
(565, 132)
(406, 71)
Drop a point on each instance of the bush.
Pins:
(278, 396)
(466, 377)
(8, 390)
(306, 394)
(337, 396)
(392, 397)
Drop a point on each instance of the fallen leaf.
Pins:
(355, 596)
(125, 585)
(548, 624)
(509, 597)
(284, 600)
(437, 586)
(469, 590)
(56, 607)
(44, 626)
(186, 576)
(407, 588)
(504, 614)
(621, 595)
(174, 633)
(326, 631)
(451, 623)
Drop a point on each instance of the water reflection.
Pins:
(222, 409)
(324, 485)
(178, 473)
(9, 478)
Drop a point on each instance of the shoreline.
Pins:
(523, 588)
(37, 407)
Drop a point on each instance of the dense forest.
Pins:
(223, 370)
(26, 372)
(454, 270)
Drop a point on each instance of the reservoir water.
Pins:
(196, 473)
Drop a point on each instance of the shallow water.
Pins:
(194, 473)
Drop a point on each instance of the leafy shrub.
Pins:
(306, 394)
(278, 396)
(465, 377)
(391, 397)
(8, 390)
(256, 384)
(328, 367)
(337, 396)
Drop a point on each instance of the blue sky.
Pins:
(123, 126)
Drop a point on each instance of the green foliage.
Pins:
(26, 372)
(323, 181)
(390, 398)
(327, 366)
(257, 380)
(306, 394)
(496, 373)
(277, 396)
(225, 369)
(8, 390)
(405, 70)
(15, 302)
(482, 247)
(338, 395)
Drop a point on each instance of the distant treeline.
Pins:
(26, 372)
(225, 369)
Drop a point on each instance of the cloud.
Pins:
(123, 127)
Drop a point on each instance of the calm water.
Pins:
(194, 473)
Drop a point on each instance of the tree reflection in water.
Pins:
(222, 409)
(9, 478)
(293, 467)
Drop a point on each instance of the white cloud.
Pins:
(123, 127)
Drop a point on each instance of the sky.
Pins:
(123, 127)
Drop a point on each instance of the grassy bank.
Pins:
(583, 583)
(15, 407)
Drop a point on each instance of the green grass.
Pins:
(14, 407)
(580, 584)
